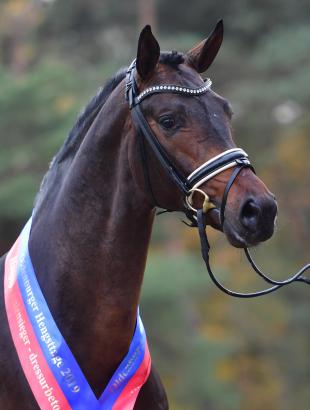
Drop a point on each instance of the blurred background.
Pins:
(212, 351)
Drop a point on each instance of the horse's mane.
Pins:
(67, 152)
(86, 117)
(172, 58)
(63, 159)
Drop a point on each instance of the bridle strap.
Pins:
(143, 127)
(174, 89)
(216, 165)
(231, 180)
(204, 172)
(158, 149)
(229, 184)
(231, 158)
(205, 248)
(297, 277)
(145, 167)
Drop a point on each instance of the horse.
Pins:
(93, 215)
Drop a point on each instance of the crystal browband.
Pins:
(176, 89)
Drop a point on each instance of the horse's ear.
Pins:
(148, 53)
(203, 54)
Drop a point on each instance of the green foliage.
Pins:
(45, 101)
(188, 361)
(226, 354)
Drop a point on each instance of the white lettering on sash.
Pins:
(22, 328)
(122, 376)
(45, 336)
(30, 298)
(48, 391)
(23, 334)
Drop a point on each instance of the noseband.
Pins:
(233, 158)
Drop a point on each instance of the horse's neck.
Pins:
(89, 248)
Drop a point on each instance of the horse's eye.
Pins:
(167, 122)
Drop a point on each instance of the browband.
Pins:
(175, 89)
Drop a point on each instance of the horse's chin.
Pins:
(240, 238)
(234, 238)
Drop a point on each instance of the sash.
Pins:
(53, 374)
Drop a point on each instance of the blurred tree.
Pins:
(17, 19)
(147, 14)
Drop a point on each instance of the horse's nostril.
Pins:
(250, 213)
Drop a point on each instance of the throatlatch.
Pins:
(233, 158)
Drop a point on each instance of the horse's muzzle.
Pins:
(256, 221)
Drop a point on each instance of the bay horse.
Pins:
(93, 215)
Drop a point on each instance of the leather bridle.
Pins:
(233, 158)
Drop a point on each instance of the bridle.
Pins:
(233, 158)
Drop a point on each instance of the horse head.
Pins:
(191, 125)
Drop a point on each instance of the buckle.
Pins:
(207, 204)
(242, 161)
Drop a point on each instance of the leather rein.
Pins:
(233, 158)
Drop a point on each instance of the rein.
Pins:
(235, 157)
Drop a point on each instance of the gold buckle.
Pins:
(207, 204)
